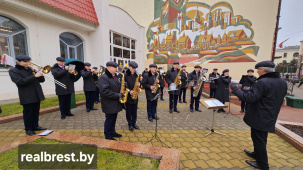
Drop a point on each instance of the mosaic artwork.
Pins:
(199, 33)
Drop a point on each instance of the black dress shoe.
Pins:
(116, 135)
(87, 110)
(251, 154)
(162, 100)
(170, 111)
(30, 132)
(219, 111)
(70, 114)
(156, 117)
(184, 102)
(63, 117)
(40, 128)
(253, 164)
(198, 110)
(191, 110)
(135, 126)
(93, 108)
(177, 111)
(110, 138)
(180, 101)
(131, 128)
(223, 110)
(150, 119)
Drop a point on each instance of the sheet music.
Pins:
(213, 103)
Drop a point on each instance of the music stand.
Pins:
(229, 112)
(155, 136)
(213, 104)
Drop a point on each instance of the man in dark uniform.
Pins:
(125, 69)
(264, 102)
(109, 85)
(212, 84)
(30, 92)
(222, 88)
(89, 85)
(184, 77)
(247, 81)
(97, 94)
(61, 73)
(148, 83)
(131, 105)
(161, 82)
(194, 76)
(170, 77)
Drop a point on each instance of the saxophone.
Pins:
(199, 84)
(123, 90)
(136, 89)
(177, 81)
(156, 85)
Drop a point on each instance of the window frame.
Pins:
(74, 47)
(112, 45)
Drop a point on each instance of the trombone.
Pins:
(45, 70)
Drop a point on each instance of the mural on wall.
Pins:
(195, 32)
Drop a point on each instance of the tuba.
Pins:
(156, 85)
(136, 89)
(199, 84)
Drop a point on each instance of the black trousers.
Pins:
(161, 92)
(300, 84)
(195, 100)
(64, 104)
(212, 93)
(96, 95)
(183, 91)
(109, 125)
(131, 113)
(173, 101)
(31, 115)
(151, 108)
(89, 96)
(259, 139)
(243, 106)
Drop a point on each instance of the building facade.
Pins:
(287, 54)
(89, 30)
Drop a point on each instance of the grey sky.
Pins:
(291, 22)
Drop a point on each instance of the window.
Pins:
(71, 46)
(285, 55)
(122, 49)
(13, 41)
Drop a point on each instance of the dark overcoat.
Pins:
(109, 89)
(147, 82)
(89, 80)
(194, 76)
(222, 88)
(184, 79)
(29, 88)
(264, 101)
(170, 77)
(130, 83)
(63, 76)
(212, 84)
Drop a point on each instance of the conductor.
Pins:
(264, 102)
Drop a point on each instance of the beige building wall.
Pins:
(286, 54)
(262, 15)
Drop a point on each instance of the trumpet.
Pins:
(73, 72)
(45, 70)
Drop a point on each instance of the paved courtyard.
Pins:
(185, 131)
